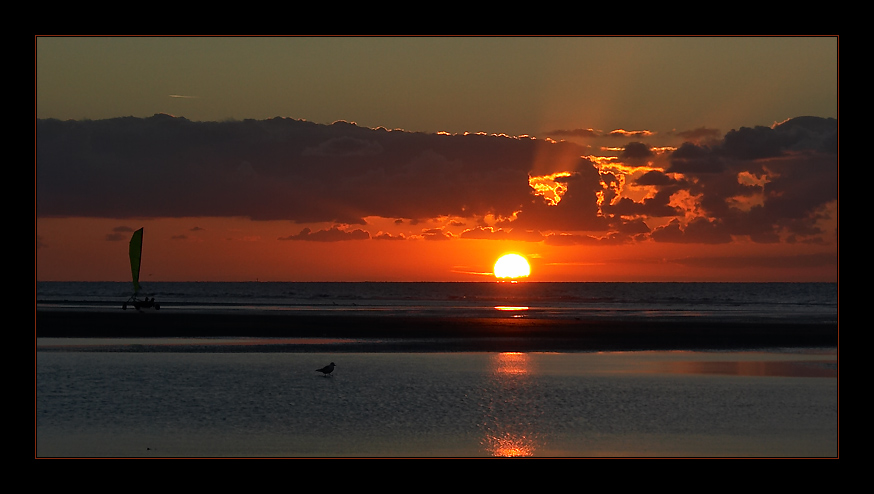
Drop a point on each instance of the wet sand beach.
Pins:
(373, 332)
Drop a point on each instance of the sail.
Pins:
(136, 254)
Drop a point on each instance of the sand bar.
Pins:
(368, 332)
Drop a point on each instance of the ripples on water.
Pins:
(502, 404)
(772, 300)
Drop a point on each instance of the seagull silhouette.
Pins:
(328, 369)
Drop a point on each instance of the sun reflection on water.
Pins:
(511, 308)
(511, 411)
(512, 363)
(511, 447)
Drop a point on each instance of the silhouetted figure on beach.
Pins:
(327, 370)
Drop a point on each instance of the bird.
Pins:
(328, 369)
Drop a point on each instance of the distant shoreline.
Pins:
(426, 333)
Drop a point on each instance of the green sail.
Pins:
(136, 254)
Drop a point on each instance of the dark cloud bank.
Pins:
(770, 184)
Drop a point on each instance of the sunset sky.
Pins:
(426, 158)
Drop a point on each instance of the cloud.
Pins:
(119, 233)
(570, 239)
(436, 234)
(575, 133)
(658, 206)
(761, 181)
(694, 159)
(388, 236)
(631, 133)
(344, 146)
(699, 135)
(636, 151)
(334, 234)
(578, 209)
(490, 233)
(769, 184)
(280, 169)
(655, 177)
(699, 230)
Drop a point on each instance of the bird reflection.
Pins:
(511, 410)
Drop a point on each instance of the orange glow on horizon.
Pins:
(239, 249)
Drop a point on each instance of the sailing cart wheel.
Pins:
(124, 306)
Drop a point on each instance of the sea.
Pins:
(102, 399)
(738, 301)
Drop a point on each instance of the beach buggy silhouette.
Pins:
(136, 253)
(137, 304)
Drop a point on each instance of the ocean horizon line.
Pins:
(447, 282)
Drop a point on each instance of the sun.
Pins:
(512, 266)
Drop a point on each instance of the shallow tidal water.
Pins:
(640, 404)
